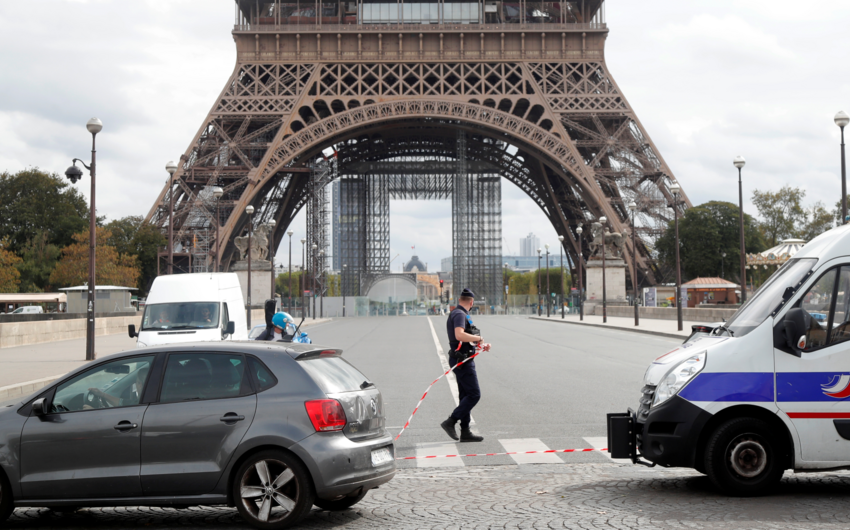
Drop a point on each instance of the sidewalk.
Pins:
(664, 328)
(25, 369)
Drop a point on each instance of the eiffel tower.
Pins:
(419, 100)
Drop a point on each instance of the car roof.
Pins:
(251, 347)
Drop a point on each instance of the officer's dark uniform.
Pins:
(467, 378)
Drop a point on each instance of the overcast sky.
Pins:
(709, 79)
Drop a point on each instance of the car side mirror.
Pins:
(38, 407)
(230, 329)
(796, 325)
(131, 330)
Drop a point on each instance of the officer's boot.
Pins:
(449, 427)
(467, 436)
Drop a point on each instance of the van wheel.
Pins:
(273, 490)
(7, 505)
(743, 457)
(340, 503)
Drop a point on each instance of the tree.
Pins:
(782, 212)
(133, 236)
(818, 221)
(39, 260)
(35, 202)
(705, 233)
(111, 268)
(9, 274)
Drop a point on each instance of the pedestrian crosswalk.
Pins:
(510, 445)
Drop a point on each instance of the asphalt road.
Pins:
(540, 381)
(544, 385)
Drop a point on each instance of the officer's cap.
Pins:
(467, 292)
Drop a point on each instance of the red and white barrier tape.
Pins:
(477, 347)
(501, 454)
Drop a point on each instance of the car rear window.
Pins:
(334, 374)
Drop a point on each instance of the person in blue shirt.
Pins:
(463, 336)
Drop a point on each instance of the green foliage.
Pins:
(282, 287)
(781, 212)
(39, 260)
(35, 203)
(111, 268)
(705, 233)
(132, 236)
(819, 220)
(9, 275)
(526, 283)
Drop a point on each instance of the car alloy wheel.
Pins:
(273, 490)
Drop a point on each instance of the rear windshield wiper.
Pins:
(366, 384)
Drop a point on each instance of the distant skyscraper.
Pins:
(528, 245)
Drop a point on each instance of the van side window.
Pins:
(817, 302)
(840, 323)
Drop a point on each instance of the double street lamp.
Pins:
(579, 231)
(739, 163)
(539, 308)
(675, 189)
(561, 292)
(217, 193)
(602, 221)
(506, 287)
(842, 120)
(171, 167)
(633, 209)
(548, 289)
(271, 252)
(250, 211)
(289, 304)
(74, 174)
(303, 278)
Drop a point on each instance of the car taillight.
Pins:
(326, 414)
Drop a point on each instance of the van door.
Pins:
(814, 389)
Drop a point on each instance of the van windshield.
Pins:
(182, 315)
(769, 296)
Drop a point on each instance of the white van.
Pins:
(767, 391)
(27, 310)
(191, 308)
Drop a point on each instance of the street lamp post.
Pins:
(171, 167)
(289, 303)
(217, 193)
(604, 220)
(579, 231)
(313, 267)
(561, 252)
(842, 119)
(633, 208)
(74, 174)
(739, 163)
(303, 279)
(322, 284)
(675, 188)
(548, 288)
(722, 264)
(506, 287)
(250, 211)
(344, 269)
(539, 308)
(271, 252)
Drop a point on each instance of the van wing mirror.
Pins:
(38, 407)
(796, 325)
(230, 329)
(131, 330)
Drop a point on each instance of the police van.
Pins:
(767, 391)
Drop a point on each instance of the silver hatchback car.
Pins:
(269, 428)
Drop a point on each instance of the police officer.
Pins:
(462, 338)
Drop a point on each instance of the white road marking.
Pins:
(437, 448)
(601, 442)
(530, 444)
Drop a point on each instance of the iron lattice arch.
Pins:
(559, 129)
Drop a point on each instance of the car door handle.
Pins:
(231, 417)
(125, 426)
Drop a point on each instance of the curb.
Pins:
(27, 387)
(617, 328)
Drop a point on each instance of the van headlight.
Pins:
(678, 377)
